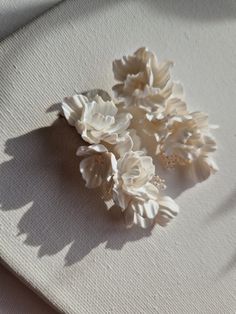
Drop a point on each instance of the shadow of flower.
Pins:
(225, 207)
(44, 175)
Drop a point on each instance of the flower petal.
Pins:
(72, 108)
(176, 106)
(167, 211)
(107, 108)
(124, 146)
(146, 209)
(90, 172)
(143, 222)
(121, 123)
(97, 169)
(201, 119)
(162, 74)
(91, 149)
(169, 204)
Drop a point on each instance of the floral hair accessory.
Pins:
(147, 125)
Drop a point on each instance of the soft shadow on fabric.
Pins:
(44, 171)
(225, 208)
(13, 19)
(44, 175)
(229, 266)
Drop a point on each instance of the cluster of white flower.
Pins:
(149, 111)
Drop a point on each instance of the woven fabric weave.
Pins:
(56, 233)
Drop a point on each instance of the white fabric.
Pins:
(16, 13)
(16, 298)
(56, 233)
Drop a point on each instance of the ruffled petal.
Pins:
(201, 119)
(90, 172)
(178, 90)
(121, 123)
(72, 108)
(106, 108)
(91, 149)
(176, 106)
(162, 74)
(168, 209)
(142, 221)
(97, 169)
(141, 213)
(124, 146)
(147, 191)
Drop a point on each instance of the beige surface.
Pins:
(16, 13)
(16, 298)
(53, 231)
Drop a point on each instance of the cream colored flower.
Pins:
(148, 212)
(161, 125)
(129, 142)
(160, 121)
(96, 120)
(190, 141)
(143, 81)
(135, 191)
(99, 165)
(134, 172)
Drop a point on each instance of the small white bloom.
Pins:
(143, 80)
(95, 120)
(146, 213)
(99, 165)
(134, 172)
(135, 193)
(160, 121)
(190, 141)
(129, 142)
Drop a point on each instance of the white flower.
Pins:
(95, 120)
(99, 165)
(146, 213)
(160, 121)
(190, 141)
(136, 194)
(161, 125)
(143, 80)
(129, 142)
(134, 172)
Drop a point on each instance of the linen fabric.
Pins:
(57, 234)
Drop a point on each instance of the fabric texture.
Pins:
(16, 298)
(56, 233)
(16, 13)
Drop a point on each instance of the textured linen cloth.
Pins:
(57, 234)
(16, 13)
(16, 298)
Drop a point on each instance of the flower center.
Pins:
(172, 160)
